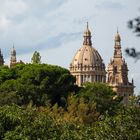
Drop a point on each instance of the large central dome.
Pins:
(87, 56)
(87, 64)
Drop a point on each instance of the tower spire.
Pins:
(118, 73)
(13, 45)
(117, 30)
(13, 60)
(87, 26)
(87, 37)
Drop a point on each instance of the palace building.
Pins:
(87, 66)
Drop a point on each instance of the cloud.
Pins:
(62, 38)
(50, 43)
(4, 22)
(21, 22)
(110, 5)
(13, 7)
(9, 9)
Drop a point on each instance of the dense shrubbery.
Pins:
(19, 123)
(42, 102)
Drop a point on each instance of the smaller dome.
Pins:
(117, 37)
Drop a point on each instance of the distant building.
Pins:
(13, 59)
(87, 66)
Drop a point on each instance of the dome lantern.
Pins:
(87, 37)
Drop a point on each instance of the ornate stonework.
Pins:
(117, 73)
(87, 64)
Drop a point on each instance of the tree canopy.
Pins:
(36, 83)
(41, 101)
(36, 58)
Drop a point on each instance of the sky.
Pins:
(55, 29)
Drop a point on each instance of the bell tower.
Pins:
(117, 72)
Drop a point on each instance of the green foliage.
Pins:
(8, 98)
(39, 83)
(18, 123)
(93, 102)
(5, 74)
(101, 95)
(36, 58)
(123, 126)
(53, 108)
(78, 111)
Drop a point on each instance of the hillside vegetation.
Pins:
(41, 102)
